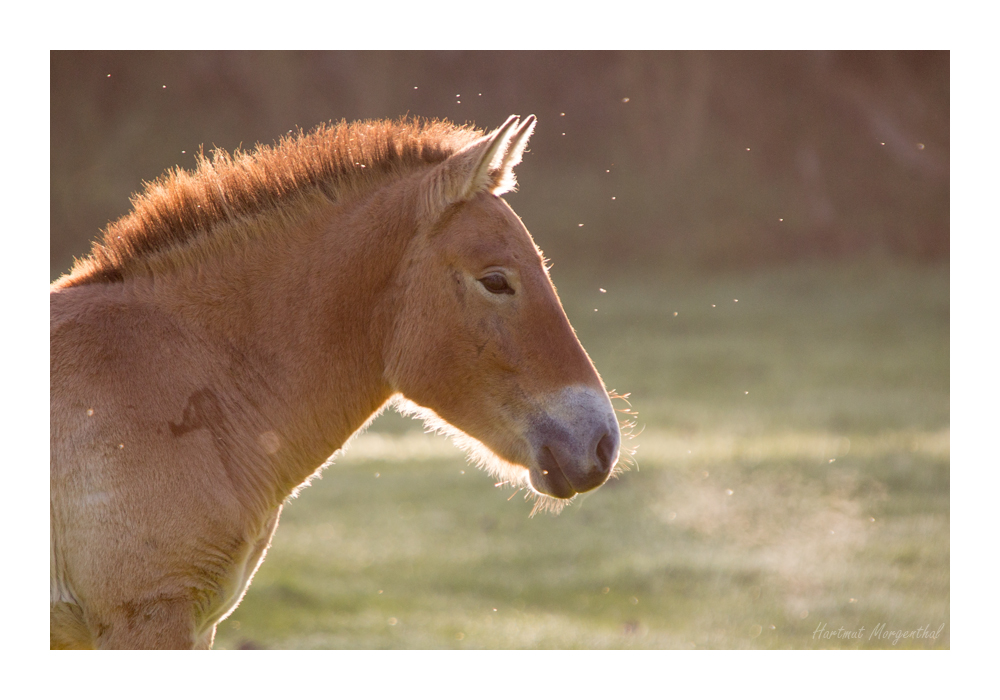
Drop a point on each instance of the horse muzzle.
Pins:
(576, 443)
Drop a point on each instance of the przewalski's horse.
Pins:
(245, 320)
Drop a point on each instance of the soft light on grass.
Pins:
(792, 489)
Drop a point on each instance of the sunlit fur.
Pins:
(478, 454)
(245, 320)
(511, 475)
(184, 215)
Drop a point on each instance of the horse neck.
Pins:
(301, 317)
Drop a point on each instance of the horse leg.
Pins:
(156, 624)
(206, 640)
(67, 629)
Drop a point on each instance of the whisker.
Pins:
(624, 397)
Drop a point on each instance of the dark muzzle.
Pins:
(565, 465)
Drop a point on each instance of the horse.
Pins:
(246, 318)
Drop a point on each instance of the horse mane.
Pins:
(339, 161)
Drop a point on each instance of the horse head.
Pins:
(481, 347)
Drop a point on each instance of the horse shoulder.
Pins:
(142, 509)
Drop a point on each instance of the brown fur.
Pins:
(181, 209)
(256, 314)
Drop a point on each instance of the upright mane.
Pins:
(339, 161)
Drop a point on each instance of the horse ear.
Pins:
(485, 165)
(506, 182)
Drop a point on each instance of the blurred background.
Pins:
(714, 159)
(753, 245)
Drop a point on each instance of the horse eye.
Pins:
(496, 283)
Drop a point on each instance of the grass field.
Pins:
(791, 485)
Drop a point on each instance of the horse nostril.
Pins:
(607, 450)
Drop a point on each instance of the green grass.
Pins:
(793, 472)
